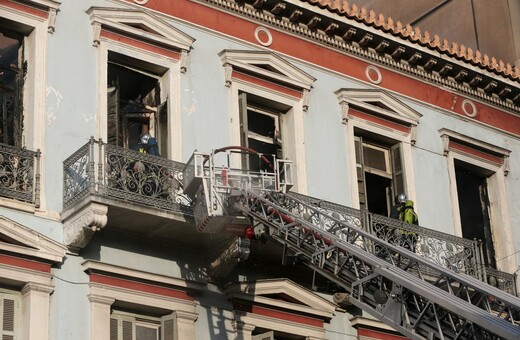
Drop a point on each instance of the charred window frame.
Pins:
(382, 159)
(134, 103)
(13, 69)
(260, 129)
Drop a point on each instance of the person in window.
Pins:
(148, 144)
(399, 202)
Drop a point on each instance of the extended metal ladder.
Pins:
(418, 297)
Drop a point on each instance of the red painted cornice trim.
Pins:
(378, 120)
(140, 44)
(139, 286)
(24, 8)
(477, 153)
(276, 314)
(334, 60)
(24, 263)
(266, 84)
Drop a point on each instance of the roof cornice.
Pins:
(404, 50)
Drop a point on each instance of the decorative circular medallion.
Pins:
(263, 36)
(469, 108)
(141, 2)
(373, 74)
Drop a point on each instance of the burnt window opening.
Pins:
(379, 172)
(134, 103)
(474, 207)
(261, 130)
(12, 76)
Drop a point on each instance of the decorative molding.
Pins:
(228, 75)
(305, 100)
(184, 61)
(52, 20)
(81, 226)
(152, 29)
(26, 241)
(280, 71)
(37, 287)
(344, 111)
(294, 27)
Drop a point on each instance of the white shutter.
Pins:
(168, 327)
(9, 309)
(122, 327)
(114, 329)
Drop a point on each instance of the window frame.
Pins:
(161, 45)
(496, 186)
(266, 75)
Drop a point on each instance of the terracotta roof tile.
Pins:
(415, 35)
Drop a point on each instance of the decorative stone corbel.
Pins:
(80, 227)
(305, 99)
(344, 112)
(506, 165)
(52, 20)
(97, 33)
(413, 134)
(445, 144)
(228, 70)
(184, 61)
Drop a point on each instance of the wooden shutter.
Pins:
(121, 328)
(244, 140)
(397, 170)
(358, 141)
(8, 310)
(114, 327)
(114, 124)
(161, 126)
(168, 327)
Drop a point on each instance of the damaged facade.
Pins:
(100, 241)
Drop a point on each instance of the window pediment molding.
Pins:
(136, 23)
(282, 294)
(267, 66)
(19, 239)
(39, 9)
(378, 103)
(475, 148)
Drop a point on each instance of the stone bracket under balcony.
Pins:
(80, 225)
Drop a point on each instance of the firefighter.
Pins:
(408, 215)
(148, 144)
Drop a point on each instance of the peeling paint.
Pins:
(52, 105)
(192, 98)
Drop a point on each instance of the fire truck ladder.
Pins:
(418, 297)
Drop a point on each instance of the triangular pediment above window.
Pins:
(138, 24)
(379, 103)
(282, 294)
(267, 65)
(18, 239)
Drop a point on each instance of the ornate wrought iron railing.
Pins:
(456, 253)
(106, 170)
(20, 174)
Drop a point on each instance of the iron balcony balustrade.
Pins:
(458, 254)
(20, 174)
(127, 175)
(114, 172)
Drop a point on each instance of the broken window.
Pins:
(474, 208)
(12, 73)
(260, 126)
(379, 173)
(134, 103)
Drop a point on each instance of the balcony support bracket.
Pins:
(81, 226)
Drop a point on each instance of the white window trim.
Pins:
(497, 192)
(102, 296)
(37, 285)
(260, 291)
(398, 112)
(293, 147)
(35, 88)
(170, 81)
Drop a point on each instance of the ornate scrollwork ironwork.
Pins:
(17, 173)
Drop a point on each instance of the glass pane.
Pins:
(357, 146)
(396, 157)
(374, 158)
(145, 333)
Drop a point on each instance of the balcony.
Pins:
(110, 186)
(20, 175)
